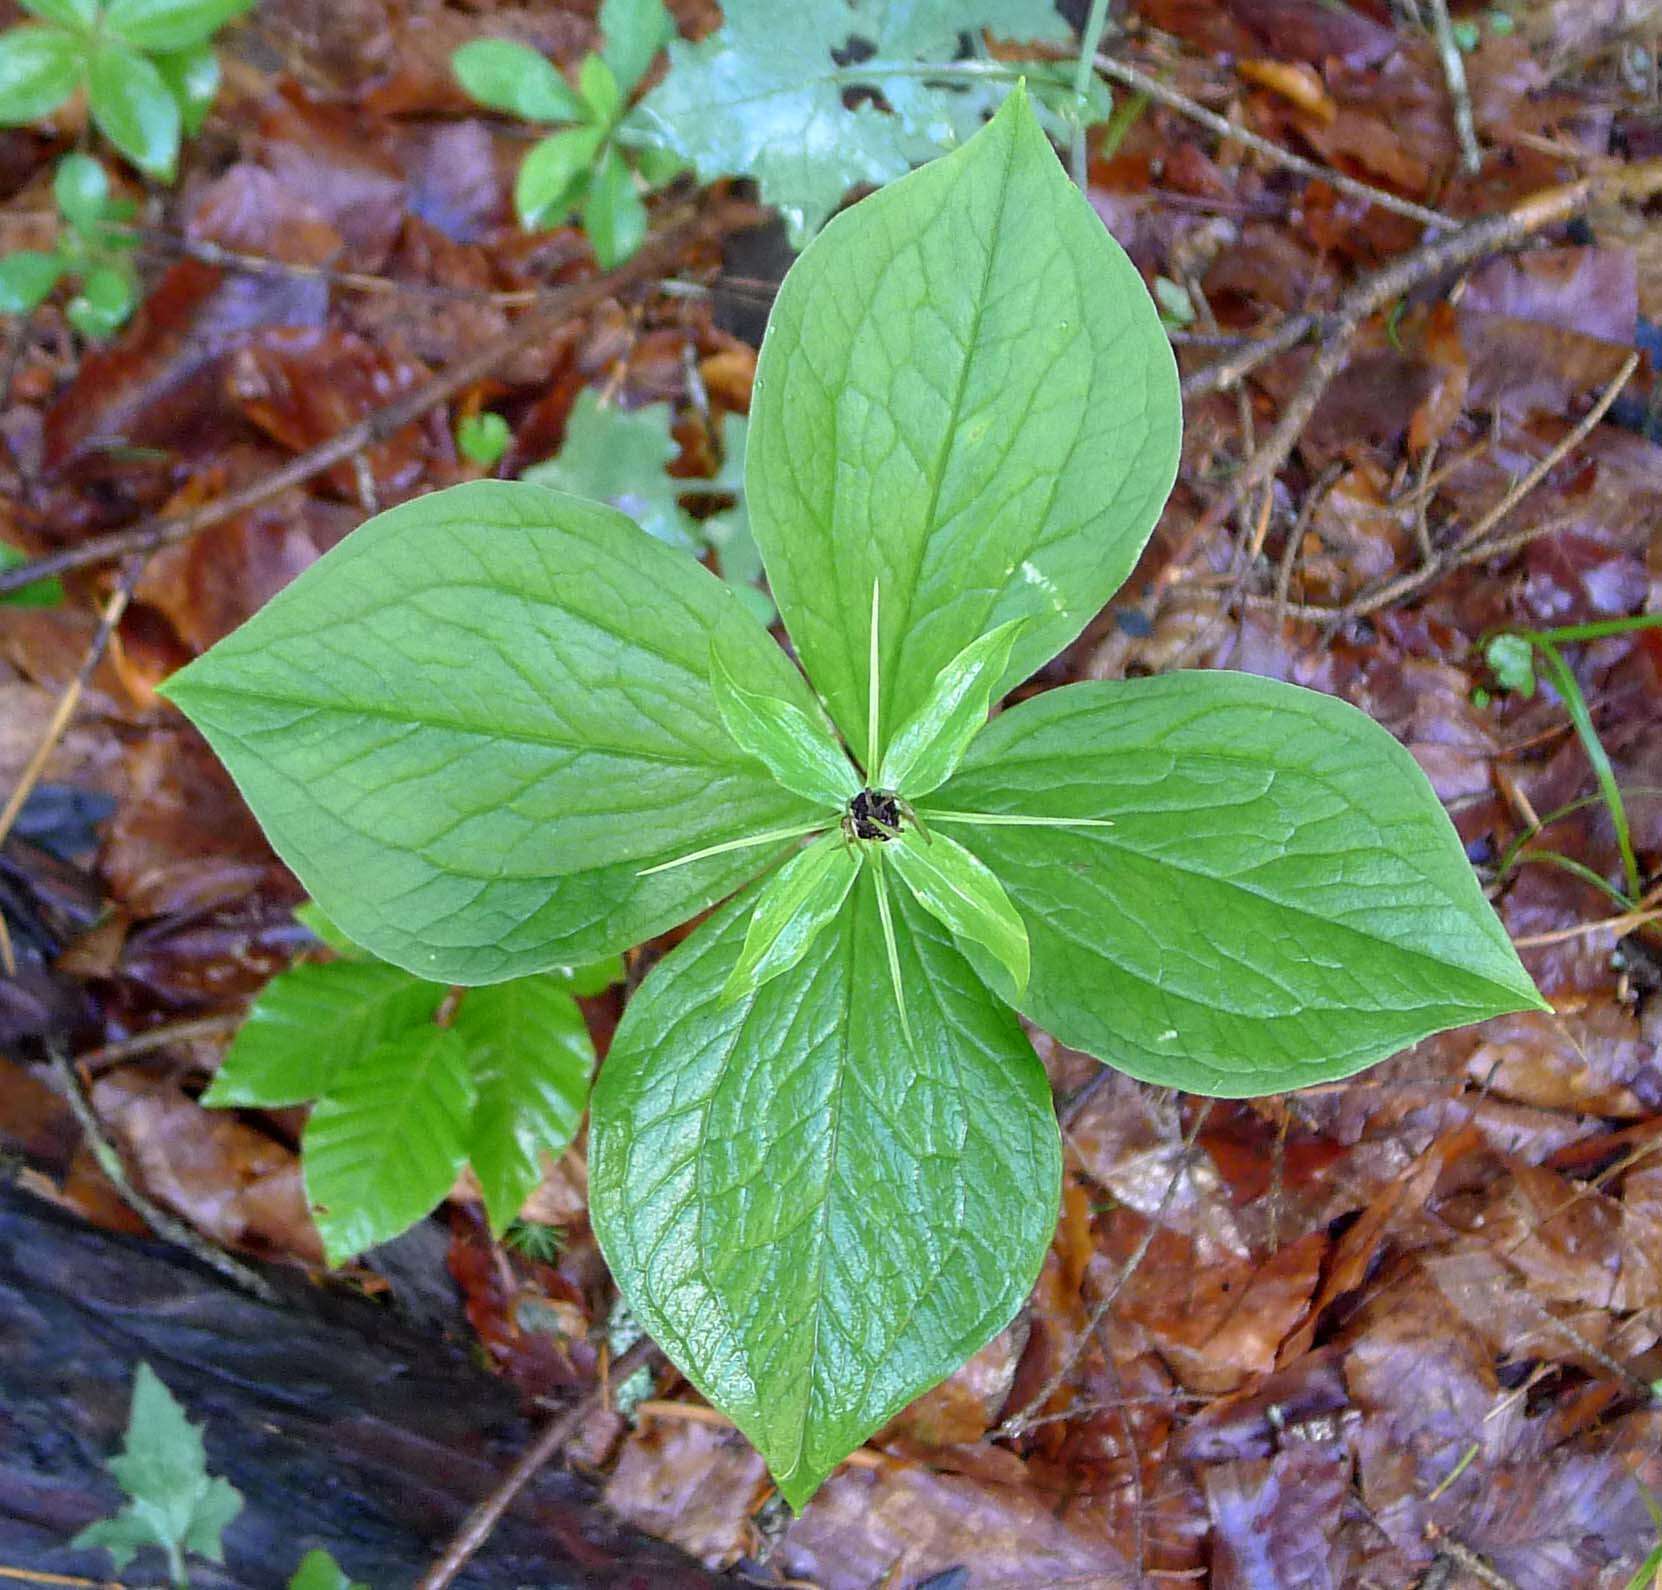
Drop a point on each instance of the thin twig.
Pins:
(549, 316)
(107, 1056)
(1460, 96)
(1017, 1423)
(153, 1215)
(1124, 73)
(478, 1524)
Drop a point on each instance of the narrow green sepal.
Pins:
(794, 905)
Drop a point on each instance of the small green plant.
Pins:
(500, 729)
(44, 593)
(618, 456)
(411, 1082)
(482, 439)
(94, 248)
(582, 167)
(149, 71)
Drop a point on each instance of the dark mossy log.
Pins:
(341, 1427)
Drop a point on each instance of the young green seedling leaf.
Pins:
(613, 215)
(193, 77)
(482, 439)
(931, 743)
(796, 747)
(134, 108)
(319, 1571)
(166, 25)
(959, 891)
(77, 15)
(39, 69)
(172, 1501)
(529, 1050)
(26, 278)
(816, 1221)
(792, 909)
(82, 189)
(598, 85)
(632, 33)
(552, 177)
(387, 1140)
(512, 77)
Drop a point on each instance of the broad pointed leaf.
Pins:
(632, 32)
(613, 215)
(815, 1223)
(531, 1057)
(792, 909)
(39, 70)
(26, 277)
(507, 75)
(552, 176)
(966, 396)
(957, 889)
(312, 1023)
(796, 747)
(930, 744)
(386, 1142)
(1280, 900)
(165, 25)
(135, 109)
(471, 727)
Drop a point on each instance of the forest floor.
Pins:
(1400, 1330)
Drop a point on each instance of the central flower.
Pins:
(874, 814)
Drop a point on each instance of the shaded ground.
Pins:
(1400, 1330)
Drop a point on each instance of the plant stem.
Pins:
(1089, 42)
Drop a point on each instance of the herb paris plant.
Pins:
(500, 728)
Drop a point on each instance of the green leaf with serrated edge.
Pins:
(632, 32)
(316, 922)
(926, 748)
(65, 13)
(792, 908)
(760, 100)
(81, 188)
(598, 84)
(796, 747)
(814, 1222)
(613, 215)
(135, 109)
(531, 1057)
(964, 393)
(26, 277)
(193, 77)
(167, 25)
(173, 1502)
(385, 1144)
(1280, 900)
(958, 890)
(552, 176)
(615, 456)
(472, 725)
(319, 1571)
(313, 1023)
(507, 76)
(39, 69)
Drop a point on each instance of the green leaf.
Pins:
(384, 1145)
(1511, 659)
(815, 1222)
(965, 394)
(632, 32)
(43, 593)
(616, 456)
(1280, 899)
(482, 439)
(598, 85)
(768, 101)
(313, 1023)
(594, 978)
(39, 69)
(792, 909)
(135, 109)
(172, 1503)
(104, 302)
(26, 278)
(72, 14)
(956, 888)
(613, 215)
(531, 1057)
(471, 726)
(931, 743)
(319, 1571)
(168, 25)
(316, 922)
(514, 78)
(552, 177)
(82, 190)
(192, 76)
(796, 747)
